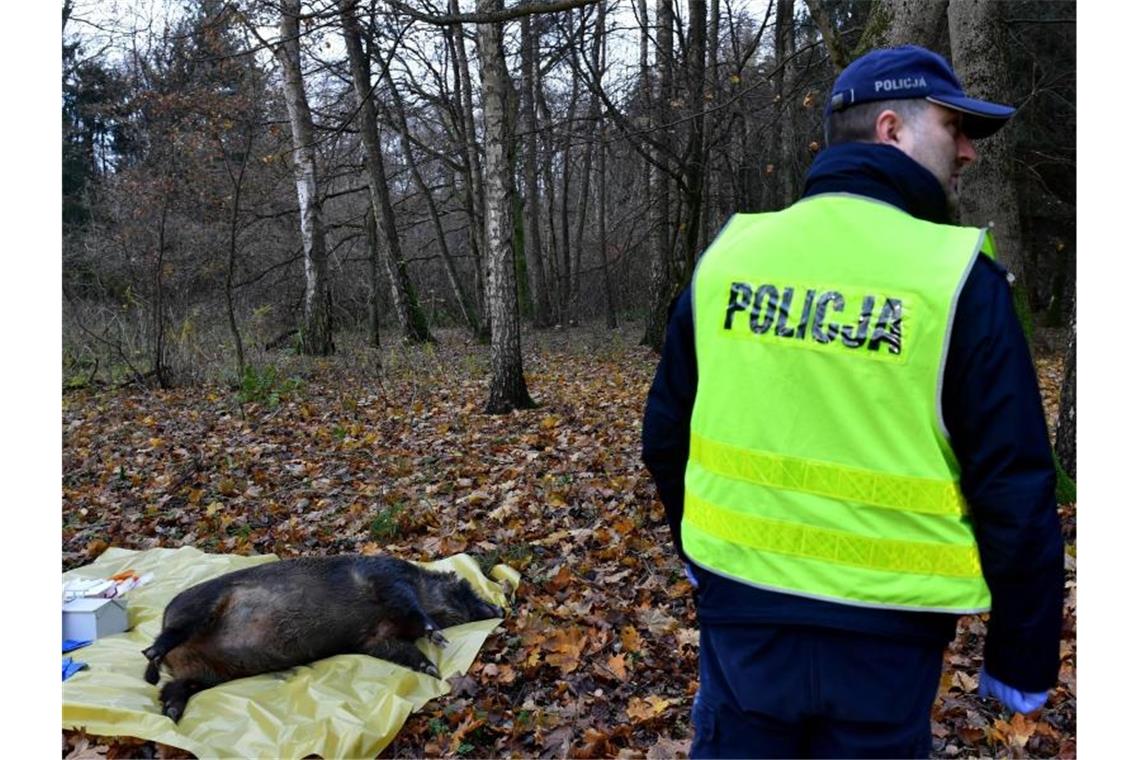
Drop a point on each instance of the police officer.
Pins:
(847, 435)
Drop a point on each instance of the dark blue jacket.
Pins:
(992, 408)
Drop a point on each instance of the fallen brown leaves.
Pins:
(597, 658)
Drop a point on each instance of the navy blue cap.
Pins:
(914, 72)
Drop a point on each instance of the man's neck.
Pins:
(882, 172)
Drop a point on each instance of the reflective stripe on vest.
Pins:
(818, 462)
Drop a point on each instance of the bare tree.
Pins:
(508, 386)
(411, 319)
(536, 273)
(316, 327)
(661, 276)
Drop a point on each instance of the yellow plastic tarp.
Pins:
(343, 706)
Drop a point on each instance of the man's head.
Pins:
(910, 98)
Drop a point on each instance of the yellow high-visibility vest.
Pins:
(819, 464)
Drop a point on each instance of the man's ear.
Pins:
(887, 125)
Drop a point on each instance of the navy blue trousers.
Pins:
(787, 691)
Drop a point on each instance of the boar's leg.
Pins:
(399, 602)
(187, 615)
(402, 653)
(168, 639)
(175, 694)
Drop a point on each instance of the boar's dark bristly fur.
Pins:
(283, 614)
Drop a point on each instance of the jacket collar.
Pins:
(882, 172)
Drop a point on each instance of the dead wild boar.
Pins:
(291, 612)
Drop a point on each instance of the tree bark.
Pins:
(661, 276)
(978, 41)
(316, 327)
(695, 156)
(536, 272)
(783, 132)
(410, 317)
(901, 22)
(1066, 443)
(836, 50)
(477, 235)
(508, 386)
(373, 277)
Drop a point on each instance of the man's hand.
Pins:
(1014, 699)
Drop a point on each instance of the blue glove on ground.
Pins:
(1018, 701)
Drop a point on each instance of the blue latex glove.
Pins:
(1014, 699)
(73, 644)
(71, 667)
(689, 574)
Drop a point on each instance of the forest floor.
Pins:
(389, 451)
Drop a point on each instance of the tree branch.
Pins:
(492, 18)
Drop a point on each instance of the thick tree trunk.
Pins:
(316, 327)
(508, 386)
(901, 22)
(413, 325)
(979, 42)
(536, 272)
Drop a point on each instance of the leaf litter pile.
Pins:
(389, 451)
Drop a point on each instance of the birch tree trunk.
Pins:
(536, 272)
(508, 386)
(316, 326)
(408, 313)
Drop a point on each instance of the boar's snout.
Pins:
(484, 610)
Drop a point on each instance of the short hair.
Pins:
(857, 123)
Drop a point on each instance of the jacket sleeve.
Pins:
(665, 426)
(992, 407)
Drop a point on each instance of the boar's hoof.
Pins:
(437, 638)
(172, 711)
(151, 675)
(430, 669)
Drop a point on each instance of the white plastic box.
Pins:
(91, 619)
